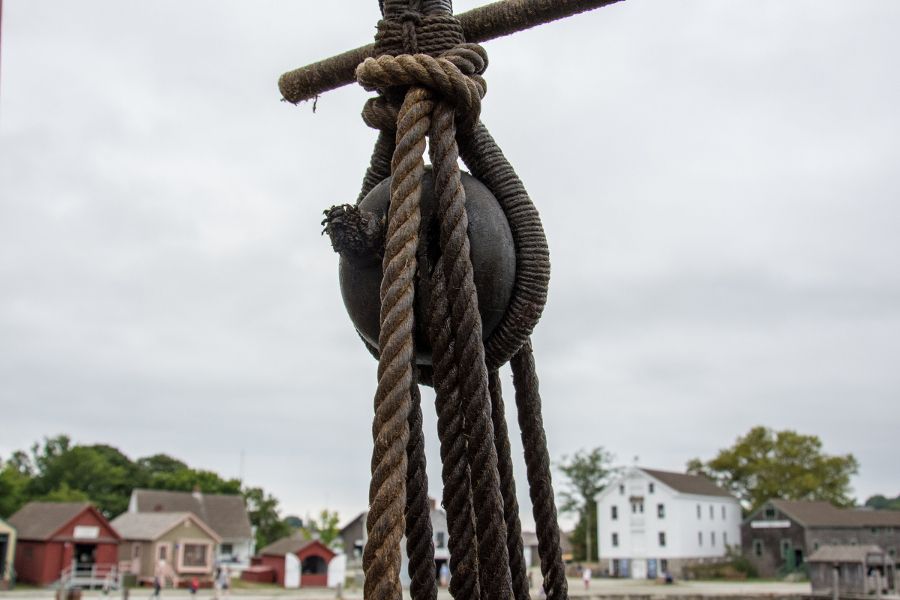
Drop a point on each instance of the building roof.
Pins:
(287, 545)
(152, 526)
(4, 526)
(824, 514)
(852, 554)
(360, 516)
(226, 514)
(688, 484)
(40, 520)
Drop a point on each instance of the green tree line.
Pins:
(58, 470)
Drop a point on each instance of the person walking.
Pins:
(586, 577)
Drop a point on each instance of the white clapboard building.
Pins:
(652, 522)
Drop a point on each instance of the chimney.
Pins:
(197, 493)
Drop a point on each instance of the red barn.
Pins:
(54, 536)
(314, 558)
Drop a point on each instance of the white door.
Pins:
(291, 571)
(337, 571)
(639, 568)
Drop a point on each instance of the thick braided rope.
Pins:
(455, 472)
(419, 543)
(493, 556)
(487, 162)
(455, 76)
(537, 465)
(517, 566)
(387, 489)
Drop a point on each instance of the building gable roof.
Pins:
(152, 526)
(291, 544)
(42, 520)
(353, 521)
(226, 514)
(6, 527)
(814, 513)
(688, 484)
(851, 554)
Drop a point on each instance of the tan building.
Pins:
(7, 553)
(173, 546)
(226, 514)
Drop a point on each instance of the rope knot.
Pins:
(455, 76)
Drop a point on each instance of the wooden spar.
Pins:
(479, 25)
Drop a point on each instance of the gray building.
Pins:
(780, 535)
(839, 571)
(353, 540)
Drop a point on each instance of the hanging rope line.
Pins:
(429, 84)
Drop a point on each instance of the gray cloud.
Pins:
(718, 184)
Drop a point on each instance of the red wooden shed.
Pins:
(314, 558)
(55, 535)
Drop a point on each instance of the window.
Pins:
(723, 512)
(724, 538)
(815, 544)
(135, 550)
(785, 548)
(892, 552)
(712, 538)
(614, 510)
(615, 540)
(622, 490)
(661, 511)
(194, 555)
(650, 488)
(770, 512)
(162, 552)
(699, 514)
(664, 565)
(662, 539)
(439, 539)
(637, 506)
(712, 514)
(700, 538)
(757, 547)
(226, 549)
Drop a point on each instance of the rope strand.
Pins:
(387, 489)
(537, 466)
(493, 557)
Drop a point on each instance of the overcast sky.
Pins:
(719, 182)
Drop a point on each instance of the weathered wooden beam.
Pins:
(479, 25)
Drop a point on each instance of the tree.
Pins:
(880, 502)
(587, 473)
(326, 527)
(766, 464)
(13, 485)
(262, 509)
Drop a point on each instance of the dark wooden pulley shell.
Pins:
(493, 261)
